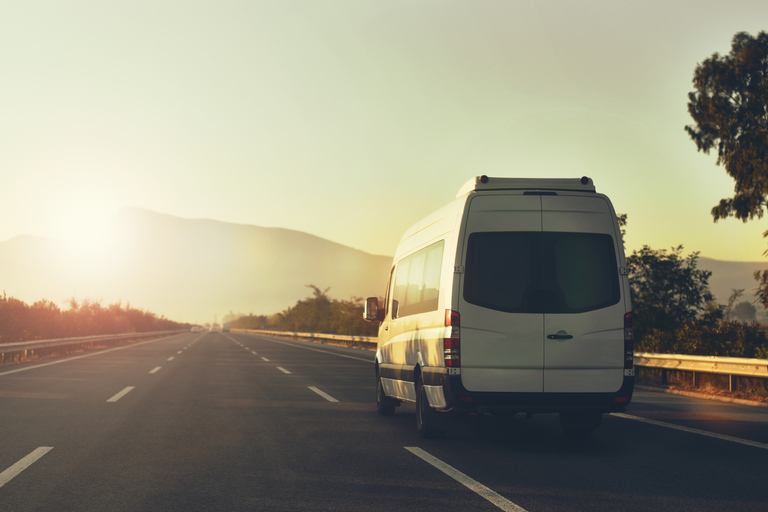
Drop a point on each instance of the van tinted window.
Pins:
(541, 272)
(417, 281)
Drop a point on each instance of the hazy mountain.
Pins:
(730, 275)
(188, 270)
(191, 270)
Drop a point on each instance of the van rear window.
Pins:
(541, 272)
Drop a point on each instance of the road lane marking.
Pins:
(473, 485)
(254, 353)
(170, 358)
(283, 370)
(7, 475)
(690, 430)
(155, 369)
(318, 350)
(323, 394)
(179, 352)
(121, 394)
(83, 356)
(264, 358)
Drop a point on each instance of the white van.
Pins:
(514, 298)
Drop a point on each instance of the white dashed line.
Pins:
(171, 358)
(7, 475)
(492, 496)
(323, 394)
(283, 370)
(264, 358)
(121, 394)
(155, 369)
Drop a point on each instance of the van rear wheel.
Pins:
(385, 406)
(426, 415)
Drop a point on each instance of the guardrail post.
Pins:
(664, 376)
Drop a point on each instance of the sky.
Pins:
(353, 119)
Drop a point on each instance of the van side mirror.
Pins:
(372, 313)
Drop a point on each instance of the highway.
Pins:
(233, 421)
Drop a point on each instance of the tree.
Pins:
(668, 290)
(730, 109)
(744, 312)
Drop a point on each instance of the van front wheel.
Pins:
(425, 415)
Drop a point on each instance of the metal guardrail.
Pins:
(365, 340)
(731, 366)
(30, 346)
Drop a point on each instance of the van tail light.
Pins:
(451, 342)
(629, 342)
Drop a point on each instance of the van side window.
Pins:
(541, 272)
(417, 281)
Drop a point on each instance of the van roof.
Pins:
(583, 184)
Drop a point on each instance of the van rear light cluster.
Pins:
(451, 342)
(629, 342)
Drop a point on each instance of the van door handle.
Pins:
(561, 335)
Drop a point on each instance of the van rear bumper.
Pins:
(459, 399)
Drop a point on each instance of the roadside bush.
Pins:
(321, 314)
(698, 337)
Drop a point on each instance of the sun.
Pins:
(82, 227)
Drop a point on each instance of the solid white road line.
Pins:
(23, 464)
(283, 370)
(155, 369)
(323, 394)
(81, 357)
(722, 437)
(121, 394)
(495, 498)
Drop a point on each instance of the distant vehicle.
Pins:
(215, 328)
(514, 298)
(196, 328)
(226, 328)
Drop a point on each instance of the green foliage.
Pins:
(668, 290)
(744, 312)
(725, 339)
(730, 109)
(321, 314)
(44, 320)
(253, 322)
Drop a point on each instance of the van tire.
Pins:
(426, 415)
(580, 425)
(385, 406)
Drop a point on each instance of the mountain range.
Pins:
(188, 270)
(197, 270)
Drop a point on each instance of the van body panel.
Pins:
(592, 360)
(509, 357)
(509, 360)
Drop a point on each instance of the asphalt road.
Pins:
(233, 421)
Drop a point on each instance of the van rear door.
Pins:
(583, 327)
(501, 351)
